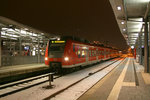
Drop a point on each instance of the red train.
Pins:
(69, 52)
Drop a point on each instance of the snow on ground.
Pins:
(77, 90)
(39, 93)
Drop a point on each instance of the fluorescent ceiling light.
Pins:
(15, 36)
(136, 19)
(10, 30)
(34, 34)
(143, 1)
(4, 28)
(134, 35)
(42, 33)
(23, 32)
(28, 33)
(4, 36)
(26, 29)
(2, 33)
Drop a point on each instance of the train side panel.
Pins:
(78, 54)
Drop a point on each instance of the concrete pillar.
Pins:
(0, 49)
(20, 44)
(38, 50)
(140, 48)
(135, 51)
(149, 46)
(146, 52)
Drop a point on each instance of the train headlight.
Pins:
(66, 58)
(46, 58)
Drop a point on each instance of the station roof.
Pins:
(13, 30)
(130, 15)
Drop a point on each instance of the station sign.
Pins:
(58, 41)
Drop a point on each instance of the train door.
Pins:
(104, 53)
(96, 53)
(87, 54)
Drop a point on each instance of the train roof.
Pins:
(75, 39)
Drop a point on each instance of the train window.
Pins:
(83, 53)
(99, 52)
(79, 53)
(89, 52)
(73, 48)
(92, 52)
(57, 47)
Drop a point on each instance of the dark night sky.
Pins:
(90, 19)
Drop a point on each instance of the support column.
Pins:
(136, 49)
(0, 49)
(146, 52)
(148, 46)
(38, 50)
(20, 44)
(140, 48)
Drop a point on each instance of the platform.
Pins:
(126, 82)
(7, 71)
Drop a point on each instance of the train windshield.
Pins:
(57, 46)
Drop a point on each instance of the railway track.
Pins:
(14, 87)
(73, 84)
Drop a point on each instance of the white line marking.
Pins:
(117, 87)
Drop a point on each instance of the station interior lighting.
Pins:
(132, 47)
(122, 22)
(118, 7)
(58, 39)
(25, 29)
(134, 35)
(23, 32)
(124, 29)
(136, 19)
(144, 1)
(33, 53)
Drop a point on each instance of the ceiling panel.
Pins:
(132, 14)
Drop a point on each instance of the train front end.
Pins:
(54, 54)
